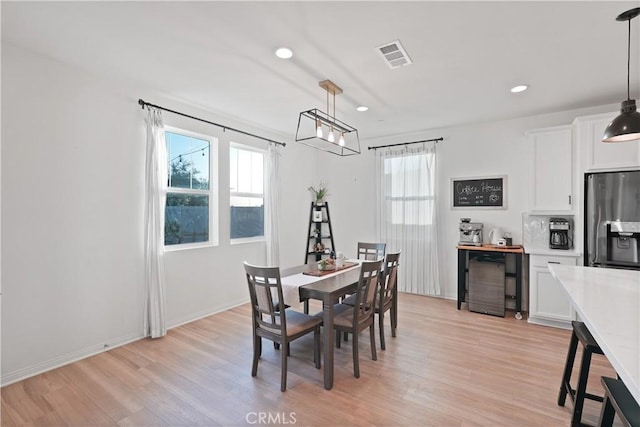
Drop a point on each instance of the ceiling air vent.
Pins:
(394, 54)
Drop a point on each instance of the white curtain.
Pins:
(406, 214)
(271, 204)
(155, 195)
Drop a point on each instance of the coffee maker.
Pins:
(470, 232)
(559, 233)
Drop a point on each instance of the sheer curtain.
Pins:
(272, 201)
(155, 195)
(406, 214)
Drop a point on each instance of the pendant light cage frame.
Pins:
(311, 124)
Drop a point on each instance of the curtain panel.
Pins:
(406, 214)
(155, 196)
(272, 204)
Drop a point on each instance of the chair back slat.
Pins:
(389, 278)
(371, 251)
(265, 291)
(366, 291)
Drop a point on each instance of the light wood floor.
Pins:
(445, 368)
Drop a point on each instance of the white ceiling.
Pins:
(466, 56)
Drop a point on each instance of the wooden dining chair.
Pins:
(272, 323)
(354, 319)
(388, 295)
(371, 251)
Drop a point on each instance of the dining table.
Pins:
(328, 289)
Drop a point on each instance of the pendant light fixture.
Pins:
(312, 123)
(626, 126)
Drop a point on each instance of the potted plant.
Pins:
(319, 193)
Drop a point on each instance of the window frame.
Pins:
(240, 146)
(212, 192)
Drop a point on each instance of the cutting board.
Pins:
(320, 273)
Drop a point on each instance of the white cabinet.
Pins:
(551, 170)
(548, 303)
(601, 155)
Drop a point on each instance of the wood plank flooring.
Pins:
(445, 368)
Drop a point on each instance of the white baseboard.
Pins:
(199, 315)
(65, 359)
(562, 324)
(74, 356)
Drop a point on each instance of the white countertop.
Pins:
(608, 301)
(555, 252)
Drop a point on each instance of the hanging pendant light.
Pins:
(341, 138)
(626, 126)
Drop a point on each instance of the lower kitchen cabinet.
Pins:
(548, 303)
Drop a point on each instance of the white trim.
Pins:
(243, 240)
(263, 152)
(212, 192)
(65, 359)
(204, 313)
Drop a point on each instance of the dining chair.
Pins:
(388, 295)
(371, 251)
(271, 322)
(354, 319)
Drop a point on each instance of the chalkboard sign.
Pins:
(484, 192)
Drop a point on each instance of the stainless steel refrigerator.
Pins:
(612, 220)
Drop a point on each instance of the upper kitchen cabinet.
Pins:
(602, 156)
(551, 170)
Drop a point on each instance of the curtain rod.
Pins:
(224, 128)
(436, 140)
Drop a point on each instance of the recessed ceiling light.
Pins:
(362, 108)
(284, 53)
(519, 88)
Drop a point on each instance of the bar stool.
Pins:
(618, 400)
(577, 395)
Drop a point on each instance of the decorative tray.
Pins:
(319, 273)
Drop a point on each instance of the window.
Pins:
(189, 209)
(409, 180)
(246, 168)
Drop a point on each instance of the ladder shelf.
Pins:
(319, 232)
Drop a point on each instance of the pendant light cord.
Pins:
(629, 61)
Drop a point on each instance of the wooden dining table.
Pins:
(327, 289)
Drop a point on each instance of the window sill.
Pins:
(189, 246)
(244, 240)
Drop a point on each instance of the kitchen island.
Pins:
(608, 302)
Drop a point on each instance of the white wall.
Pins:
(72, 211)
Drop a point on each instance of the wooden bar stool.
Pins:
(589, 347)
(618, 400)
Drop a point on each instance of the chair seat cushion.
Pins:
(350, 300)
(343, 315)
(298, 322)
